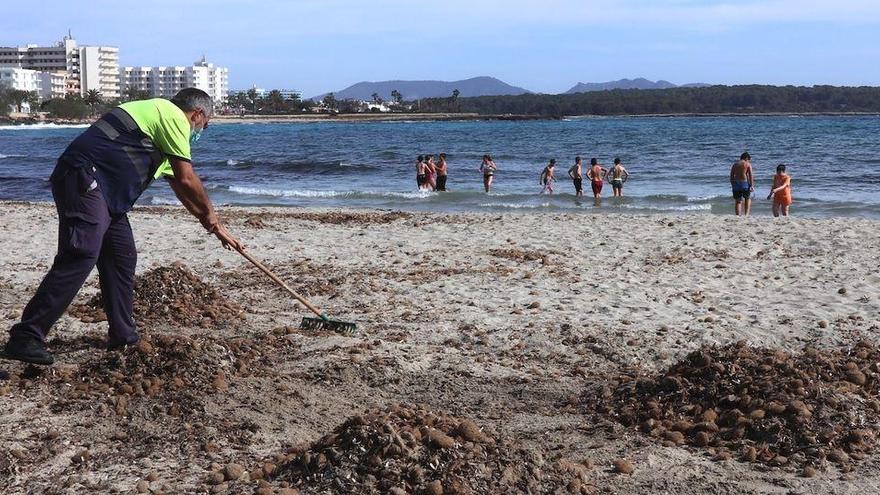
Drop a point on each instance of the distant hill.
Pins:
(639, 83)
(412, 90)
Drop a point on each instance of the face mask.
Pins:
(195, 135)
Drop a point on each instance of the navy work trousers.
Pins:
(88, 235)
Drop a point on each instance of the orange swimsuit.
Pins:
(782, 197)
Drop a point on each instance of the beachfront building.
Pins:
(85, 67)
(99, 69)
(166, 81)
(287, 94)
(53, 85)
(21, 80)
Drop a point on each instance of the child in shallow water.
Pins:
(547, 179)
(781, 192)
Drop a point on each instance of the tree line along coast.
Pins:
(710, 100)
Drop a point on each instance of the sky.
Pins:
(547, 46)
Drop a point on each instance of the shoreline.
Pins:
(441, 117)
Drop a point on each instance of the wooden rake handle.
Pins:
(280, 282)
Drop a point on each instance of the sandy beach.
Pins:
(507, 320)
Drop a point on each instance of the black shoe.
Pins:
(29, 350)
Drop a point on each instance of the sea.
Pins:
(676, 164)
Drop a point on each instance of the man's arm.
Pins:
(624, 174)
(571, 173)
(749, 177)
(189, 190)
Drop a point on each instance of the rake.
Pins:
(320, 323)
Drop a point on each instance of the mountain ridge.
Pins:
(637, 83)
(413, 90)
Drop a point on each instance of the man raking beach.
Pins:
(96, 182)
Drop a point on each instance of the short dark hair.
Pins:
(616, 161)
(780, 168)
(745, 156)
(189, 99)
(421, 158)
(594, 161)
(553, 161)
(443, 156)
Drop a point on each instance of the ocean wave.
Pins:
(35, 127)
(515, 206)
(164, 201)
(305, 193)
(702, 207)
(2, 156)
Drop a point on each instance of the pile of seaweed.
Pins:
(408, 449)
(761, 405)
(170, 294)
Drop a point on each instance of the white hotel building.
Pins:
(83, 68)
(167, 81)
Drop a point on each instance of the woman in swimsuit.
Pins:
(431, 171)
(547, 179)
(781, 192)
(488, 169)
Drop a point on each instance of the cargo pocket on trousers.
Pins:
(83, 235)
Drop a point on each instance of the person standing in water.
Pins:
(547, 179)
(596, 174)
(488, 169)
(421, 173)
(619, 175)
(431, 170)
(441, 173)
(742, 183)
(781, 192)
(577, 176)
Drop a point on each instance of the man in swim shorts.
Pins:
(742, 184)
(441, 173)
(421, 173)
(596, 174)
(547, 179)
(577, 176)
(619, 175)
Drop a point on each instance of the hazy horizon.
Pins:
(321, 46)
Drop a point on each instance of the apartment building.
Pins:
(166, 81)
(20, 79)
(86, 67)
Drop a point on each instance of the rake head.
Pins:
(324, 323)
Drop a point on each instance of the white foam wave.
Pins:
(513, 205)
(165, 201)
(703, 207)
(699, 198)
(2, 156)
(305, 193)
(35, 127)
